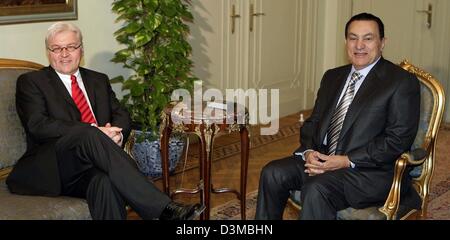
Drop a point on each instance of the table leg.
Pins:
(165, 159)
(208, 134)
(202, 157)
(245, 142)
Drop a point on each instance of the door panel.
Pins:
(274, 44)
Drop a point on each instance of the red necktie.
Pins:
(80, 101)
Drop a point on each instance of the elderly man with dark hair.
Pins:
(365, 116)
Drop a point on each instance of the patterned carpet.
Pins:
(439, 204)
(231, 210)
(439, 200)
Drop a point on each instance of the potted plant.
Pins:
(154, 33)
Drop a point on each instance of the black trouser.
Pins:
(92, 166)
(321, 196)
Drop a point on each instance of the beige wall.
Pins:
(26, 41)
(96, 20)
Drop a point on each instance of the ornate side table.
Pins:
(206, 128)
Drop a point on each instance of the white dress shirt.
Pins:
(68, 84)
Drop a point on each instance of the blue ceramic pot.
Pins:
(148, 155)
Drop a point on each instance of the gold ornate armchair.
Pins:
(421, 158)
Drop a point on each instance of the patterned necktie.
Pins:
(337, 120)
(80, 101)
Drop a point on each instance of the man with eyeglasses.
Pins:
(75, 128)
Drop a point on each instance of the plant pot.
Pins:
(147, 155)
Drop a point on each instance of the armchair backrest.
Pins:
(12, 142)
(431, 112)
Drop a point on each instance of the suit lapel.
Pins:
(90, 88)
(362, 97)
(59, 87)
(336, 89)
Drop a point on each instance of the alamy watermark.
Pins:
(211, 107)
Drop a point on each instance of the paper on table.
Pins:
(217, 105)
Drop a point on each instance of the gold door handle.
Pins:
(253, 14)
(233, 18)
(429, 13)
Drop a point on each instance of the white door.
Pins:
(417, 30)
(249, 44)
(273, 49)
(215, 39)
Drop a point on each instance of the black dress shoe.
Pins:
(178, 211)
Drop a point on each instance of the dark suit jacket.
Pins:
(47, 112)
(381, 123)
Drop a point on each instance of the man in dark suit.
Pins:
(75, 128)
(366, 115)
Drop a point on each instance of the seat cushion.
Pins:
(16, 207)
(370, 213)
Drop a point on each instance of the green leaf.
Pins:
(121, 56)
(118, 79)
(132, 27)
(137, 90)
(118, 6)
(141, 39)
(169, 10)
(150, 4)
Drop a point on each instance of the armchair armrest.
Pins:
(415, 157)
(129, 144)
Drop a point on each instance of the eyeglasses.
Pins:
(69, 48)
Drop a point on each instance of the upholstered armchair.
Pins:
(421, 158)
(13, 145)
